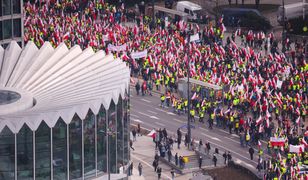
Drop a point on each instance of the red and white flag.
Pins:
(277, 141)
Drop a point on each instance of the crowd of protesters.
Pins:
(266, 94)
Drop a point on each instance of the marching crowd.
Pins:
(265, 90)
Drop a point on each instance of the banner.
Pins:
(112, 47)
(194, 37)
(105, 38)
(277, 141)
(297, 149)
(139, 54)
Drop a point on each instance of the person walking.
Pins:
(131, 168)
(131, 145)
(155, 165)
(169, 155)
(137, 86)
(159, 172)
(134, 134)
(229, 157)
(176, 159)
(172, 174)
(225, 156)
(251, 152)
(214, 159)
(140, 169)
(200, 161)
(139, 129)
(179, 137)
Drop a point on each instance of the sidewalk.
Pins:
(144, 152)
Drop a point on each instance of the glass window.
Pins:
(25, 153)
(17, 27)
(1, 8)
(126, 130)
(89, 144)
(7, 154)
(101, 140)
(112, 137)
(6, 7)
(42, 152)
(59, 142)
(7, 29)
(120, 135)
(1, 37)
(16, 7)
(75, 147)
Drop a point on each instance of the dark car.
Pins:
(247, 18)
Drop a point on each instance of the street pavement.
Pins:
(144, 153)
(146, 110)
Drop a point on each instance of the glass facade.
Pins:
(68, 151)
(11, 25)
(7, 155)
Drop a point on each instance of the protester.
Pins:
(140, 169)
(265, 93)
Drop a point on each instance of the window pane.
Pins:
(101, 140)
(59, 142)
(7, 154)
(42, 152)
(6, 7)
(1, 37)
(16, 6)
(112, 137)
(89, 144)
(7, 29)
(17, 27)
(25, 153)
(75, 147)
(120, 140)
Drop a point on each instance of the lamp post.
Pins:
(283, 28)
(188, 89)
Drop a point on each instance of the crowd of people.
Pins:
(265, 89)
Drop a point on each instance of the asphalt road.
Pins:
(146, 110)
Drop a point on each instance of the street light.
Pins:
(283, 28)
(188, 89)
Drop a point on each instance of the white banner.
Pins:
(297, 149)
(112, 47)
(105, 38)
(279, 84)
(194, 37)
(139, 54)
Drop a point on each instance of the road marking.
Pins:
(223, 131)
(143, 113)
(153, 117)
(146, 163)
(235, 135)
(177, 120)
(160, 124)
(203, 129)
(232, 140)
(142, 99)
(171, 113)
(215, 138)
(134, 115)
(158, 109)
(136, 120)
(152, 112)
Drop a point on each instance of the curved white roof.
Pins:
(62, 82)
